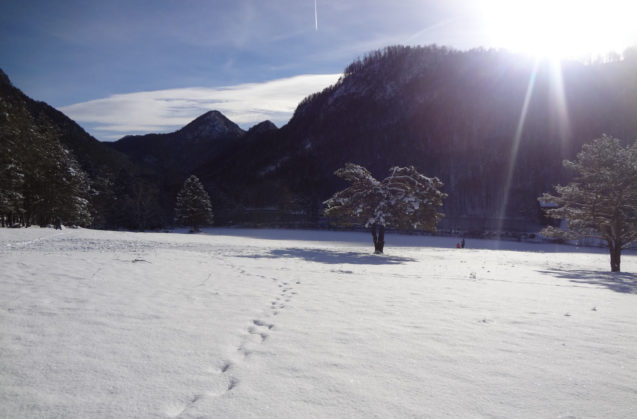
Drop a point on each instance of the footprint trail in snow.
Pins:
(256, 333)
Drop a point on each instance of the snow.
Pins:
(280, 323)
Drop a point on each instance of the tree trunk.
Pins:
(378, 235)
(615, 257)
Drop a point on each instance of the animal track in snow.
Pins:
(244, 351)
(285, 296)
(225, 367)
(174, 410)
(254, 331)
(262, 323)
(259, 328)
(232, 383)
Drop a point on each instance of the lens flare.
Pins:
(561, 28)
(515, 146)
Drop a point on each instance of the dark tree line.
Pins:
(41, 181)
(451, 113)
(51, 169)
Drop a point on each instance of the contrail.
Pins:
(315, 16)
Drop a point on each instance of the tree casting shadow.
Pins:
(333, 257)
(616, 281)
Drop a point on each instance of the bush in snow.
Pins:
(405, 199)
(193, 206)
(601, 202)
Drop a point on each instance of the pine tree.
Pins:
(193, 206)
(70, 202)
(405, 199)
(40, 180)
(55, 186)
(11, 183)
(601, 202)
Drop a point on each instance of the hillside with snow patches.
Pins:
(240, 323)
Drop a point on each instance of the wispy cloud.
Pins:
(112, 117)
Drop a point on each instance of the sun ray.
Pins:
(558, 93)
(515, 146)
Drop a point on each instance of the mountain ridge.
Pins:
(451, 114)
(183, 150)
(490, 124)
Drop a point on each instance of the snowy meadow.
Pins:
(236, 323)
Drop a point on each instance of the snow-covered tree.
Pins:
(601, 202)
(193, 206)
(405, 199)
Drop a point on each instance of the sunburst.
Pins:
(558, 29)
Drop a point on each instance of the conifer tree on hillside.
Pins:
(405, 199)
(193, 206)
(55, 187)
(40, 180)
(11, 183)
(601, 202)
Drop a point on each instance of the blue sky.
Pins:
(122, 67)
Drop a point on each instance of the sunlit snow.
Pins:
(305, 324)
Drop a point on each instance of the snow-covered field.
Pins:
(306, 324)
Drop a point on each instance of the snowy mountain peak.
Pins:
(212, 124)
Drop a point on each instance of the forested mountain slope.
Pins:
(51, 168)
(456, 115)
(183, 150)
(493, 126)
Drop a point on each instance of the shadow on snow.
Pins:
(616, 281)
(333, 257)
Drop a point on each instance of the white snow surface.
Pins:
(239, 323)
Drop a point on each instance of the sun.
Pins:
(560, 29)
